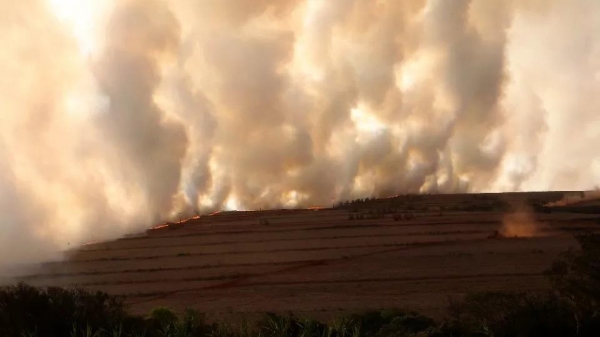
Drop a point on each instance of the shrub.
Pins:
(576, 274)
(388, 323)
(55, 311)
(311, 328)
(343, 326)
(274, 325)
(407, 325)
(163, 320)
(511, 314)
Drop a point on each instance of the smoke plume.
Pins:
(520, 223)
(576, 198)
(118, 114)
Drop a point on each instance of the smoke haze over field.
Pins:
(521, 222)
(118, 114)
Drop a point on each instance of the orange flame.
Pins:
(161, 226)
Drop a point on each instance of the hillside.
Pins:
(408, 251)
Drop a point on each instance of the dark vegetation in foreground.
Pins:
(572, 308)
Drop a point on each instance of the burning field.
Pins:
(408, 251)
(138, 126)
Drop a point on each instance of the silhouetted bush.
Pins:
(571, 309)
(55, 311)
(511, 314)
(274, 325)
(576, 274)
(388, 323)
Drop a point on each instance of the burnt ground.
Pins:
(322, 262)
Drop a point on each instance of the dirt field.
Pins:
(321, 262)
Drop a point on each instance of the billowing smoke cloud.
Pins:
(117, 117)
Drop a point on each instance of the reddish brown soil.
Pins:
(318, 263)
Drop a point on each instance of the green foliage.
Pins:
(344, 326)
(164, 322)
(277, 326)
(310, 328)
(193, 324)
(164, 319)
(222, 330)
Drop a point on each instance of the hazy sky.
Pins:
(118, 114)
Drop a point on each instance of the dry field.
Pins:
(321, 262)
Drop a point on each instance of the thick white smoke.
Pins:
(113, 117)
